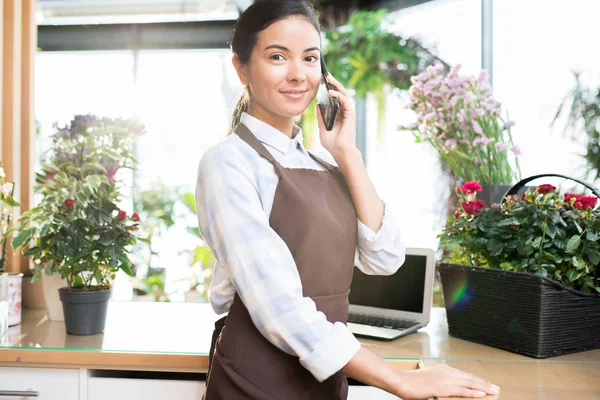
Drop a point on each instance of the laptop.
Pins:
(389, 306)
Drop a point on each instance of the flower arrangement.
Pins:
(7, 202)
(77, 229)
(542, 232)
(461, 119)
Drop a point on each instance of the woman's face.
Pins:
(284, 71)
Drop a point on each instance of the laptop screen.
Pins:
(402, 291)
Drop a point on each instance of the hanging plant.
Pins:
(366, 56)
(581, 110)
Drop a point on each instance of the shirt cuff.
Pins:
(332, 353)
(369, 240)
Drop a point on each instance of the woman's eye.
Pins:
(277, 57)
(311, 58)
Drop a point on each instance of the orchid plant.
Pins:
(461, 119)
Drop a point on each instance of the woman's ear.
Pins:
(240, 69)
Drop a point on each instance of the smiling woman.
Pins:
(287, 228)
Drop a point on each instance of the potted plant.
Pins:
(77, 229)
(7, 202)
(460, 118)
(523, 275)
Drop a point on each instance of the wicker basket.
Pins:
(518, 311)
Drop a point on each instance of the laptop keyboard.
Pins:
(381, 322)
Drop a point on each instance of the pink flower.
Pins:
(135, 217)
(516, 150)
(501, 146)
(455, 70)
(482, 78)
(477, 128)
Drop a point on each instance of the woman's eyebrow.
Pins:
(278, 46)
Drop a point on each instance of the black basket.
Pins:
(518, 311)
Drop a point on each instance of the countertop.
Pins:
(176, 337)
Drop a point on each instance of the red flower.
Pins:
(135, 217)
(579, 201)
(473, 207)
(122, 215)
(70, 204)
(469, 187)
(456, 214)
(569, 196)
(588, 202)
(546, 188)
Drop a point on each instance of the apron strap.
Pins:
(244, 133)
(325, 164)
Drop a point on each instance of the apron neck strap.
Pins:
(244, 133)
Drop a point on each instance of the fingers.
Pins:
(344, 101)
(338, 86)
(472, 384)
(464, 392)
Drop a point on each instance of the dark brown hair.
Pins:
(255, 19)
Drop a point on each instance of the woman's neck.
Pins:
(283, 124)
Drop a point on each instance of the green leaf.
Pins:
(572, 274)
(189, 200)
(34, 251)
(98, 277)
(542, 272)
(595, 287)
(509, 221)
(551, 230)
(78, 282)
(593, 256)
(573, 243)
(495, 247)
(127, 269)
(23, 238)
(591, 235)
(578, 227)
(506, 266)
(537, 242)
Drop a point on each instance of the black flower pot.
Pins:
(85, 311)
(519, 312)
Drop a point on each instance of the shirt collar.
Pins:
(271, 136)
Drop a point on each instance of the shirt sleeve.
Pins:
(381, 252)
(261, 267)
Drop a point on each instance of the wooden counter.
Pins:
(176, 337)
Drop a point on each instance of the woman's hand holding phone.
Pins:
(340, 139)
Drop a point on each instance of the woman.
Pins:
(287, 228)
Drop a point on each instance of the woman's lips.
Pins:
(294, 94)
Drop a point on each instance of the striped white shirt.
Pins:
(234, 195)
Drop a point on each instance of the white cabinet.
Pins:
(147, 389)
(50, 383)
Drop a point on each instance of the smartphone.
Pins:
(328, 105)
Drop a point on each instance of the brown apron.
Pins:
(315, 216)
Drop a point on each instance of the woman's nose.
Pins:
(296, 72)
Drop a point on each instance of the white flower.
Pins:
(2, 174)
(7, 188)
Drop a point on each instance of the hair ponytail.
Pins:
(240, 108)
